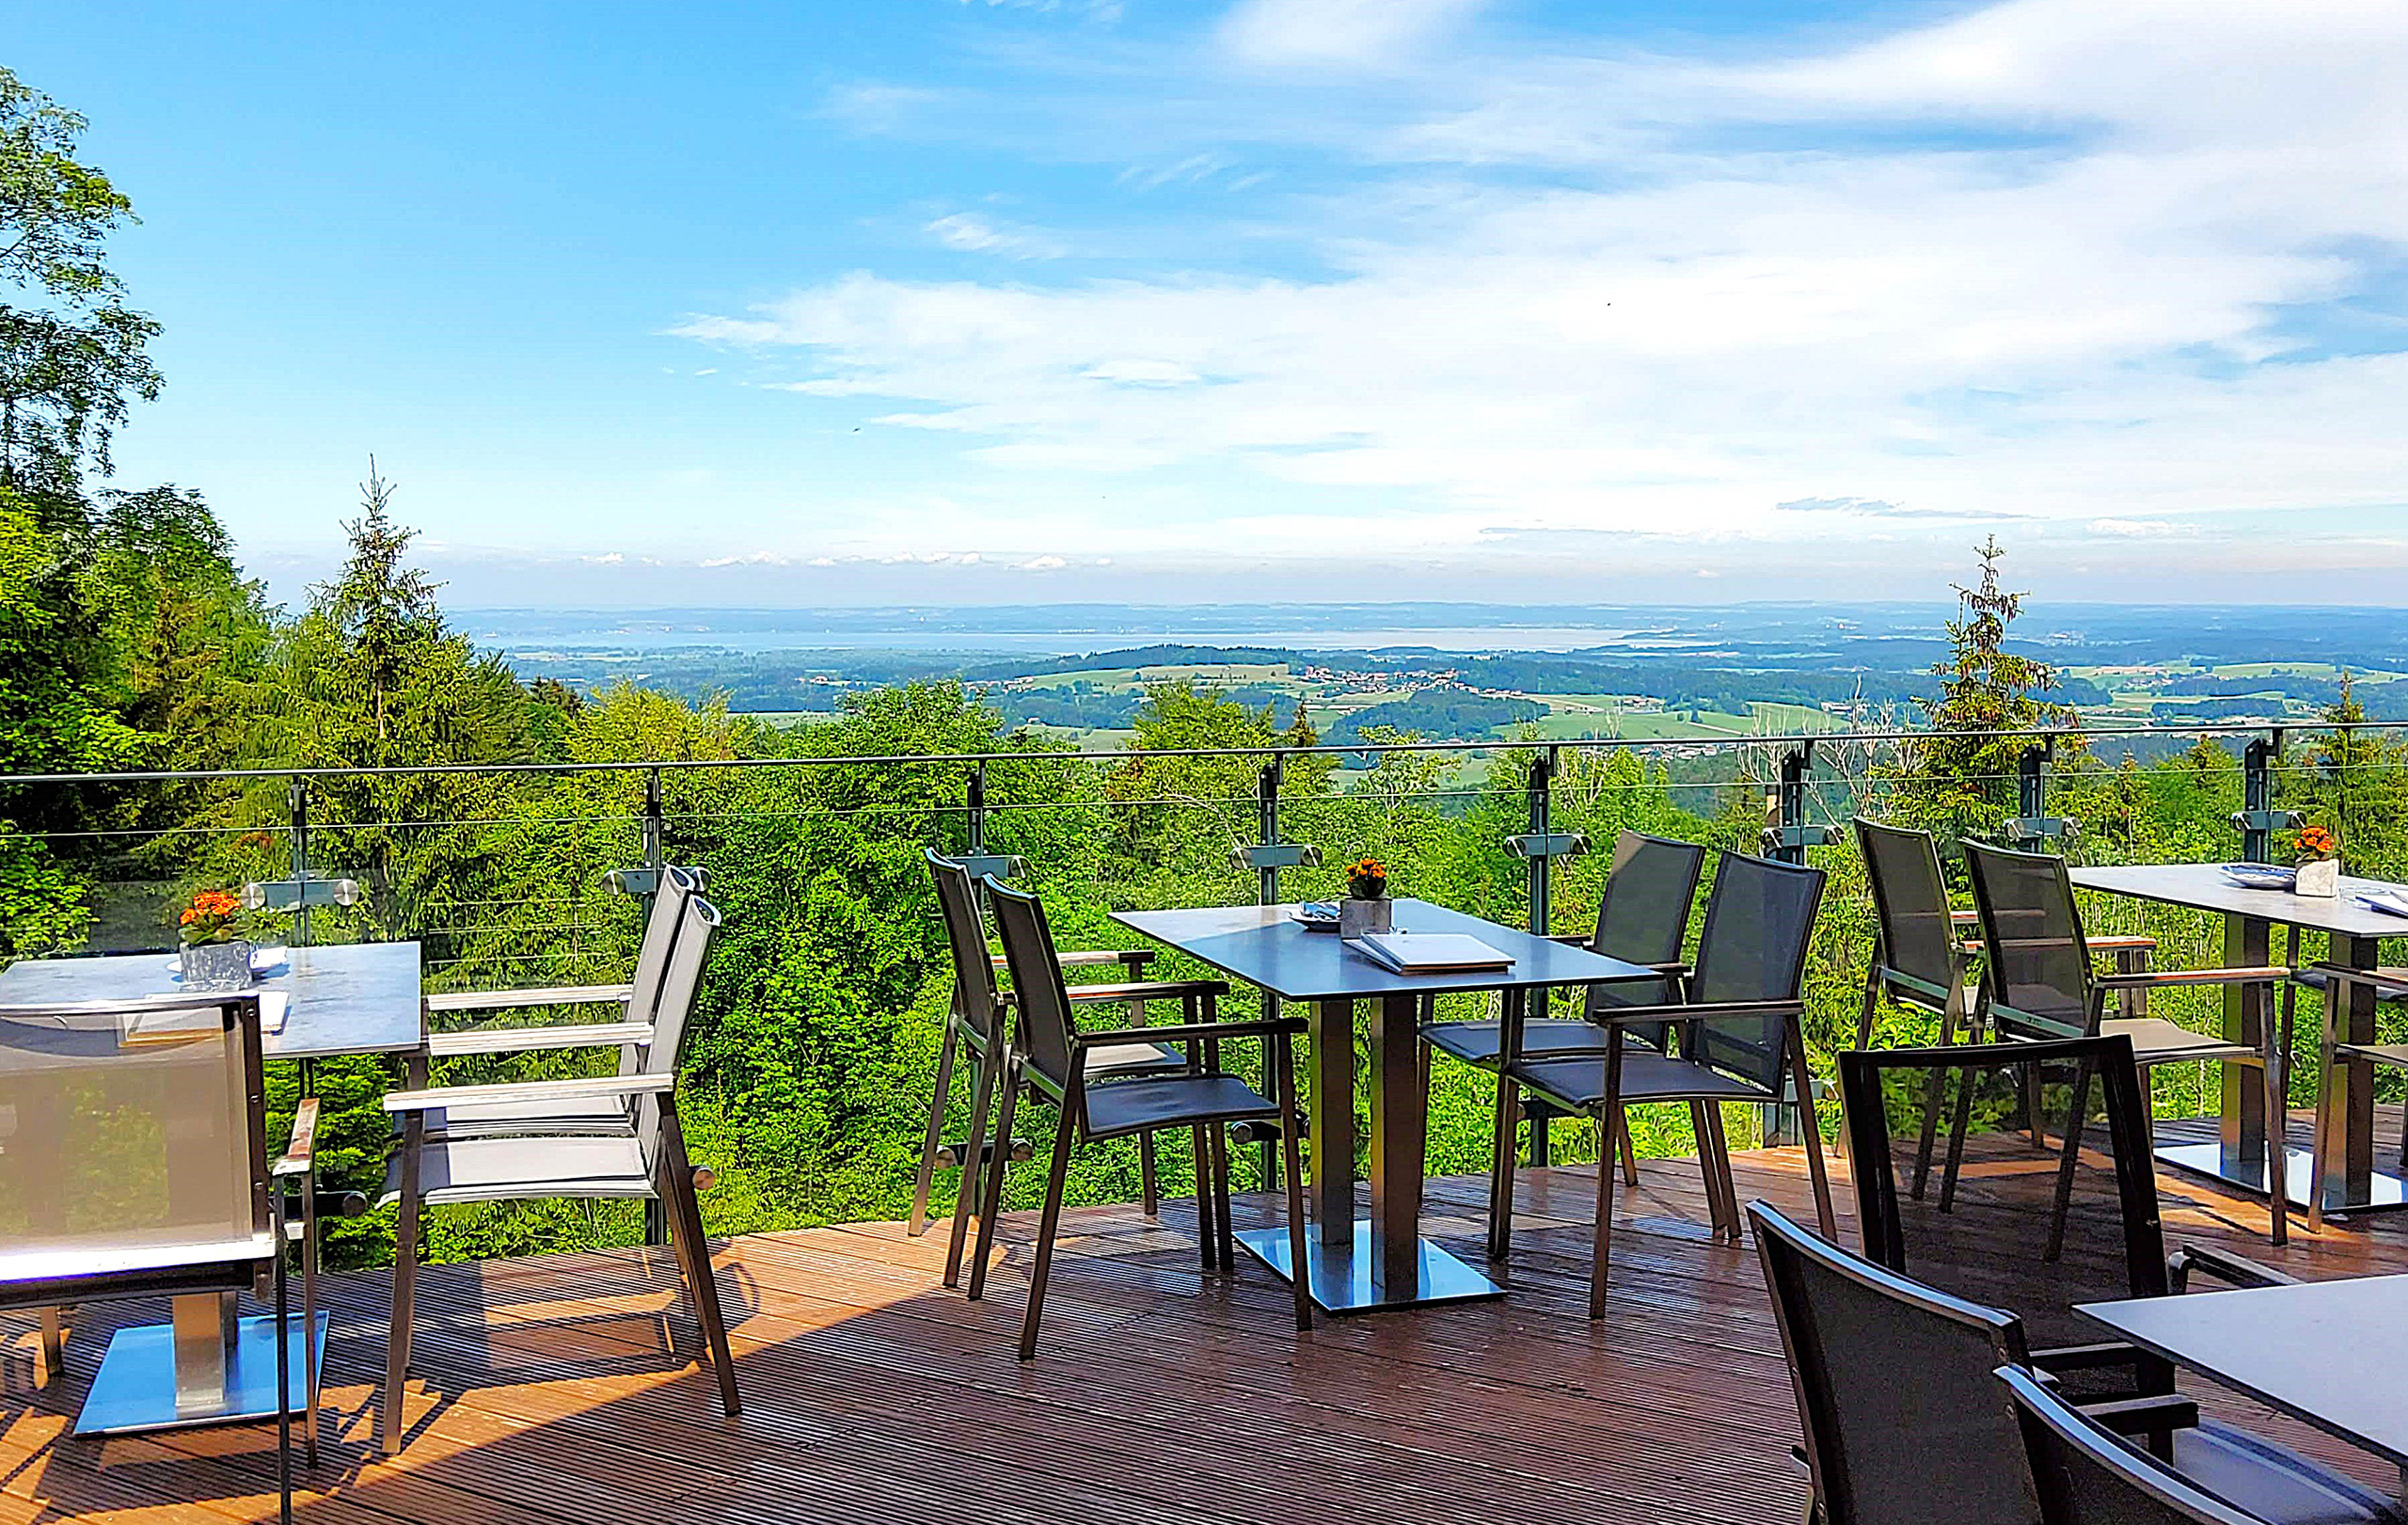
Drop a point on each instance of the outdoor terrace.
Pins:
(564, 1388)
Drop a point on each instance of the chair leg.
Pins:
(1224, 1230)
(2321, 1146)
(1872, 1006)
(1729, 1183)
(2075, 1119)
(1002, 1153)
(965, 1191)
(1500, 1177)
(1629, 1150)
(1285, 1056)
(918, 1222)
(54, 1343)
(1148, 1191)
(397, 1333)
(283, 1387)
(1704, 1165)
(1207, 1235)
(1601, 1239)
(1930, 1108)
(686, 1222)
(1812, 1126)
(1055, 1174)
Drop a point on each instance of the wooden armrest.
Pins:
(2191, 977)
(2231, 1269)
(1135, 958)
(297, 1158)
(2120, 944)
(524, 1040)
(548, 995)
(1963, 918)
(1191, 1032)
(1151, 990)
(530, 1091)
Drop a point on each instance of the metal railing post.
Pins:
(2257, 820)
(296, 801)
(977, 811)
(1266, 892)
(1541, 789)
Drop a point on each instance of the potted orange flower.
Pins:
(2319, 862)
(214, 956)
(1367, 907)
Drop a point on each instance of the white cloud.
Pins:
(977, 235)
(2139, 528)
(2015, 265)
(1357, 32)
(1043, 564)
(609, 559)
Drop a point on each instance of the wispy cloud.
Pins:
(977, 235)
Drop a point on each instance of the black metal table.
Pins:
(1382, 1262)
(2238, 1157)
(2330, 1353)
(342, 999)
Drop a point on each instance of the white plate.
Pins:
(2259, 876)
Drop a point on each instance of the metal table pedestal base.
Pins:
(1340, 1276)
(2387, 1188)
(135, 1388)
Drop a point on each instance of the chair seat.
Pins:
(1646, 1076)
(2273, 1483)
(519, 1120)
(1172, 1101)
(1477, 1043)
(508, 1169)
(1124, 1059)
(2156, 1041)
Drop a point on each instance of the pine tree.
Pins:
(1960, 780)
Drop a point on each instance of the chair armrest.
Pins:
(2142, 1416)
(2231, 1269)
(1152, 990)
(2088, 1358)
(1135, 958)
(530, 1091)
(298, 1159)
(548, 995)
(2191, 977)
(2120, 944)
(1191, 1032)
(1963, 918)
(523, 1040)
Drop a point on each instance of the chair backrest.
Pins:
(660, 923)
(1951, 1191)
(2037, 963)
(1911, 904)
(2084, 1475)
(1904, 1422)
(128, 1129)
(1037, 989)
(1758, 923)
(1643, 919)
(680, 985)
(965, 932)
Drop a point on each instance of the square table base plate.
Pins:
(1340, 1275)
(135, 1388)
(2388, 1190)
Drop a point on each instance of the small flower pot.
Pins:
(2318, 877)
(217, 966)
(1359, 916)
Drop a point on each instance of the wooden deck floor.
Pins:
(563, 1389)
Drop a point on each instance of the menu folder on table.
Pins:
(1430, 953)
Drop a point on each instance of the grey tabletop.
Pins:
(345, 998)
(1264, 945)
(2204, 887)
(2330, 1353)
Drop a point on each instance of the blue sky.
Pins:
(930, 300)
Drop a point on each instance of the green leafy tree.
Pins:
(72, 353)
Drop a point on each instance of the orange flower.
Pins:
(2317, 840)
